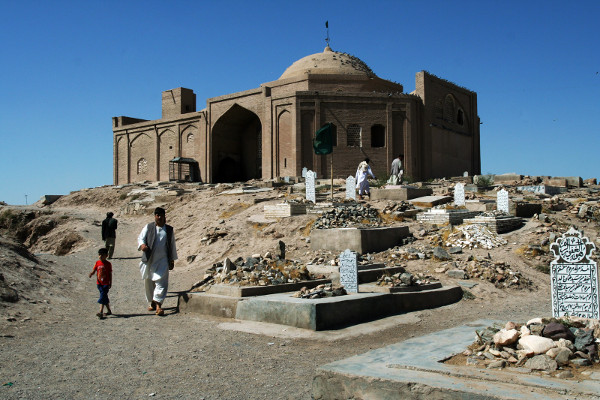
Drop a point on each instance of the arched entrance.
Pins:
(236, 146)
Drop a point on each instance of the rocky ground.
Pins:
(53, 345)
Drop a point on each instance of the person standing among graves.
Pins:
(109, 234)
(396, 171)
(157, 242)
(362, 181)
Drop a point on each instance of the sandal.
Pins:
(100, 315)
(160, 312)
(108, 313)
(152, 306)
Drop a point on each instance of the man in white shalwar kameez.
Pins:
(362, 179)
(157, 241)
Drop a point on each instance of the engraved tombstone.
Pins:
(465, 174)
(574, 277)
(286, 179)
(349, 271)
(304, 172)
(310, 186)
(459, 194)
(351, 188)
(502, 201)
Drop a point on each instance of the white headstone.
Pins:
(351, 188)
(459, 194)
(304, 172)
(286, 179)
(349, 271)
(310, 186)
(574, 277)
(465, 174)
(502, 201)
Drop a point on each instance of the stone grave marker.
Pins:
(310, 186)
(574, 277)
(459, 194)
(304, 172)
(351, 188)
(349, 271)
(286, 179)
(465, 174)
(502, 201)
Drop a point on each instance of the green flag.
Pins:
(323, 141)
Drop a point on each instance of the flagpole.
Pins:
(332, 178)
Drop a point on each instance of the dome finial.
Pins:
(327, 38)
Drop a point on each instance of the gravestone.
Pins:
(351, 188)
(502, 201)
(310, 186)
(465, 174)
(459, 194)
(349, 271)
(304, 172)
(286, 179)
(574, 277)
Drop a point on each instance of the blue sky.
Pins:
(68, 67)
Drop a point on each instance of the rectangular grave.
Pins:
(446, 216)
(430, 201)
(498, 224)
(283, 210)
(360, 240)
(399, 193)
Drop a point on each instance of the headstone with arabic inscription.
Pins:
(351, 188)
(304, 170)
(349, 271)
(502, 201)
(459, 194)
(574, 277)
(310, 186)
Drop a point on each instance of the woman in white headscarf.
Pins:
(362, 181)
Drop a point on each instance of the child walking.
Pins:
(103, 270)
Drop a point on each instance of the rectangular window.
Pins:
(354, 133)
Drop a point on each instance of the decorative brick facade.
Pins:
(267, 132)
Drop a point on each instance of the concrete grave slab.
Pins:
(399, 193)
(334, 312)
(413, 369)
(360, 240)
(430, 201)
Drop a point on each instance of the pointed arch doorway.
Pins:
(236, 146)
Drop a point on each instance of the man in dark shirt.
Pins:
(109, 234)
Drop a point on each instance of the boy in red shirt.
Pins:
(103, 270)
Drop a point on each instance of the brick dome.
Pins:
(328, 62)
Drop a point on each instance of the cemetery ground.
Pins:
(53, 345)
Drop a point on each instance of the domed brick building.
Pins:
(267, 132)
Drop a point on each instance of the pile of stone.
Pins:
(255, 271)
(546, 345)
(320, 291)
(474, 236)
(590, 212)
(500, 274)
(393, 207)
(349, 216)
(404, 279)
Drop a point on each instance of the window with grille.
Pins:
(353, 135)
(142, 166)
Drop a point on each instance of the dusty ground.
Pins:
(53, 345)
